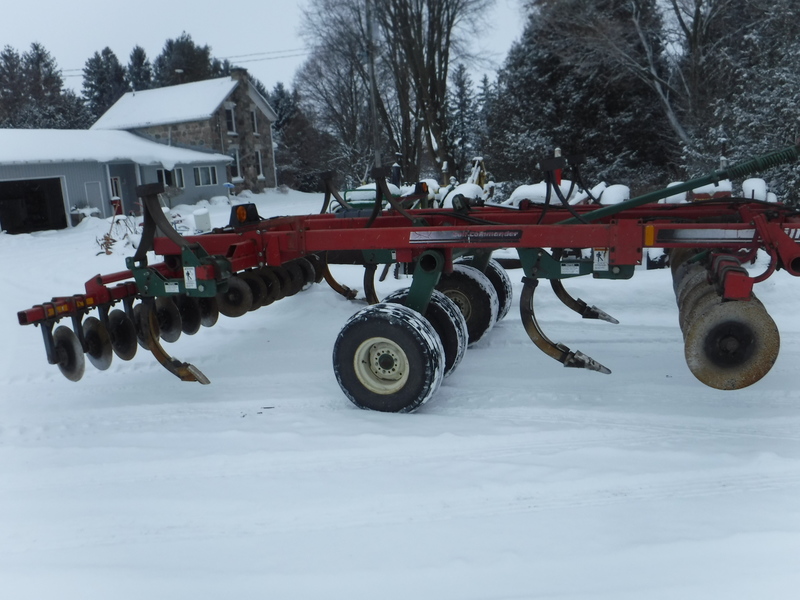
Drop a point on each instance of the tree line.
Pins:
(648, 90)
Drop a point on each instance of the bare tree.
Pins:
(414, 43)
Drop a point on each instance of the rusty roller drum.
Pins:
(728, 344)
(732, 344)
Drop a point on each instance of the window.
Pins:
(172, 178)
(254, 119)
(230, 118)
(259, 164)
(116, 187)
(236, 170)
(205, 176)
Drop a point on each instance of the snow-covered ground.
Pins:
(521, 479)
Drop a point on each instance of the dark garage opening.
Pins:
(31, 205)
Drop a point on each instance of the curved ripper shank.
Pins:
(578, 305)
(184, 371)
(557, 351)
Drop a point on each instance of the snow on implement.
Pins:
(392, 355)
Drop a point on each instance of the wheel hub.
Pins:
(381, 365)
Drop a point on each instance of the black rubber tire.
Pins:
(258, 288)
(97, 341)
(169, 319)
(123, 334)
(237, 299)
(191, 315)
(388, 358)
(448, 322)
(500, 281)
(69, 353)
(474, 294)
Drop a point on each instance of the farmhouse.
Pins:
(194, 138)
(225, 115)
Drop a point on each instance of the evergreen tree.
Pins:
(140, 71)
(31, 94)
(463, 122)
(43, 80)
(104, 81)
(554, 95)
(183, 61)
(12, 87)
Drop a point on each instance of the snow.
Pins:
(519, 479)
(37, 146)
(163, 106)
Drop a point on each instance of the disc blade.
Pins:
(69, 353)
(98, 343)
(189, 309)
(209, 311)
(123, 334)
(169, 319)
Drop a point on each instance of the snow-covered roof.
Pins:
(174, 104)
(26, 146)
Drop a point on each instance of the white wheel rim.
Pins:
(381, 365)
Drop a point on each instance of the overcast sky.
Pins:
(261, 35)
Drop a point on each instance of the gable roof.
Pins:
(32, 146)
(195, 101)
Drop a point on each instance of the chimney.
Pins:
(239, 73)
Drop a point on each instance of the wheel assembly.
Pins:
(447, 320)
(475, 297)
(122, 332)
(68, 353)
(501, 283)
(388, 358)
(98, 343)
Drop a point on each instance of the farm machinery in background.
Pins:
(393, 354)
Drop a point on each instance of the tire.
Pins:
(500, 281)
(474, 295)
(388, 358)
(448, 322)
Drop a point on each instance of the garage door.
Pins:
(31, 205)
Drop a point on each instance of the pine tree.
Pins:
(571, 93)
(104, 81)
(12, 87)
(183, 61)
(140, 71)
(462, 122)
